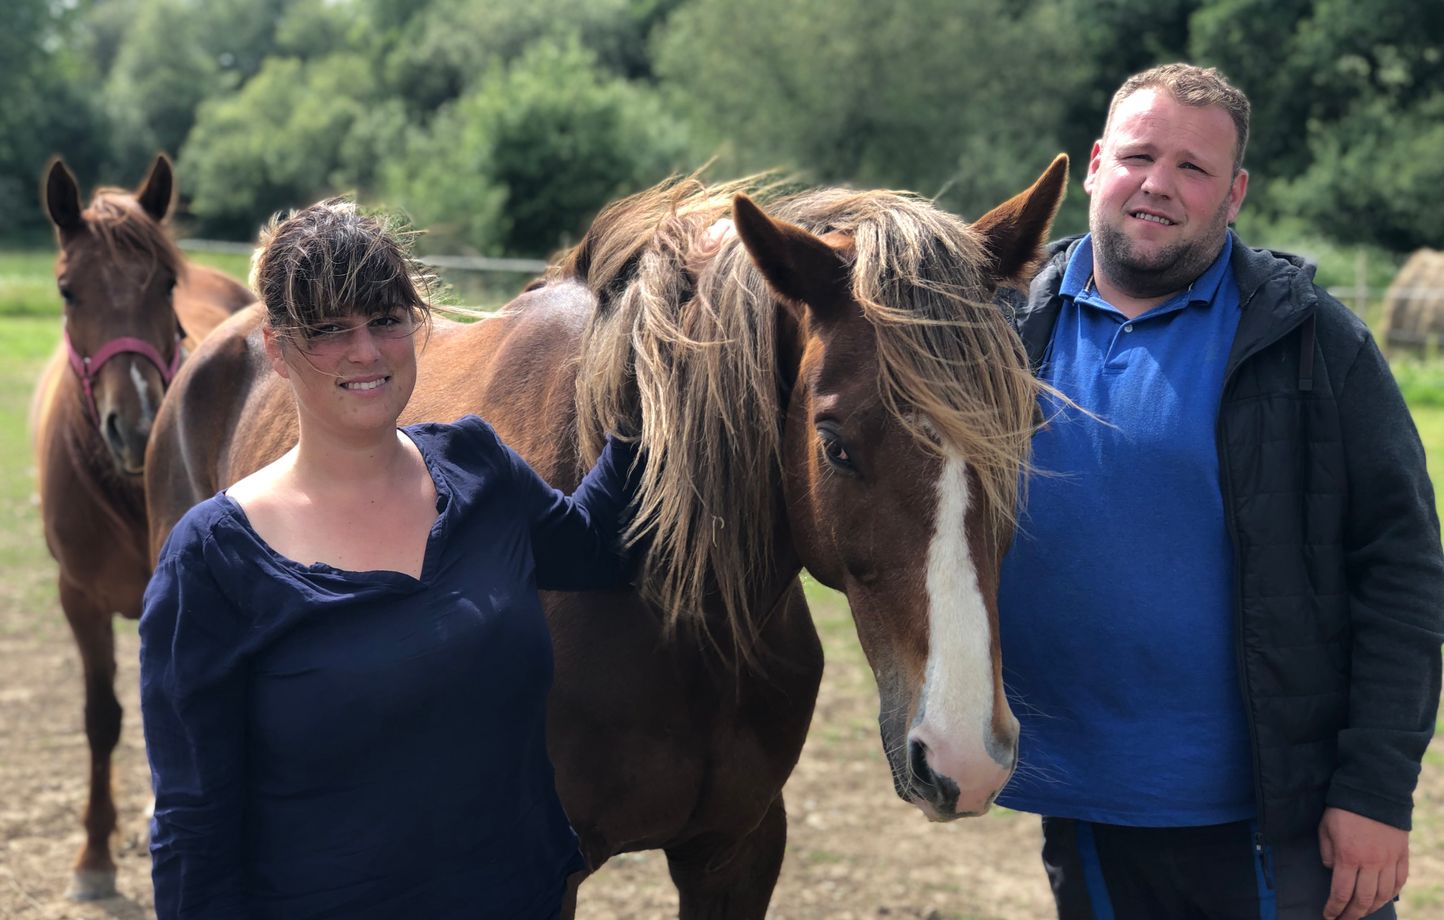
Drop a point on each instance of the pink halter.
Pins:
(86, 367)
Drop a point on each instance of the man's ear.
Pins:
(1095, 160)
(1236, 193)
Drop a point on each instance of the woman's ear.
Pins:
(274, 352)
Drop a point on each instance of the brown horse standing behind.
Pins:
(830, 387)
(132, 309)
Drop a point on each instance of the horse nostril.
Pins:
(918, 763)
(112, 431)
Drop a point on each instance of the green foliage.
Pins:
(1368, 172)
(296, 132)
(274, 103)
(1117, 38)
(45, 109)
(175, 55)
(1347, 108)
(317, 28)
(449, 45)
(941, 97)
(1229, 34)
(1421, 380)
(521, 162)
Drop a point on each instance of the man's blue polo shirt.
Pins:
(1116, 604)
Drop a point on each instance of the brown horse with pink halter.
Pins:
(132, 310)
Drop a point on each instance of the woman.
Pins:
(344, 664)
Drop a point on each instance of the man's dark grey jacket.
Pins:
(1339, 577)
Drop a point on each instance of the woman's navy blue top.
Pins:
(368, 744)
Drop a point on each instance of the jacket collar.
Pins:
(1276, 294)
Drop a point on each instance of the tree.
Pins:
(1117, 38)
(522, 161)
(46, 109)
(939, 96)
(1347, 110)
(175, 55)
(295, 132)
(448, 45)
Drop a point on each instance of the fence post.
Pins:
(1361, 283)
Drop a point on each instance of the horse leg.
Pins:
(94, 869)
(730, 879)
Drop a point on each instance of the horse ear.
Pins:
(1016, 231)
(62, 197)
(797, 264)
(155, 192)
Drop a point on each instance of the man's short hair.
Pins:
(1195, 86)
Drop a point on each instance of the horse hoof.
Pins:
(92, 885)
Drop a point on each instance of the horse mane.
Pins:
(122, 225)
(681, 353)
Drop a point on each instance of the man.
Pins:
(1221, 617)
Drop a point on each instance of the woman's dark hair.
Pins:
(332, 260)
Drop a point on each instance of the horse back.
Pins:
(204, 298)
(517, 370)
(189, 455)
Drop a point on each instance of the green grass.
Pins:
(1421, 380)
(27, 278)
(27, 283)
(29, 581)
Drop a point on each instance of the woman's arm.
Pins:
(577, 539)
(193, 691)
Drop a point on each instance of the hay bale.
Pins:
(1414, 305)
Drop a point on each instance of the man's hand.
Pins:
(1370, 862)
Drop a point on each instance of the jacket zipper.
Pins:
(1264, 863)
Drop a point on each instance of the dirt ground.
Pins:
(855, 851)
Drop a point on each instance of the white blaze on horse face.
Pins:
(142, 392)
(958, 692)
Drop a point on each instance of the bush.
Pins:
(520, 164)
(1421, 380)
(294, 133)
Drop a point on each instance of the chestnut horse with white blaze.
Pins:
(132, 309)
(830, 387)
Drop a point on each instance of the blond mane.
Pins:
(681, 351)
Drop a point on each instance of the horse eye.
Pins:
(66, 294)
(835, 451)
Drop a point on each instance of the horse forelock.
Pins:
(123, 227)
(682, 353)
(950, 368)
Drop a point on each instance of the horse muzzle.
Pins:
(126, 442)
(946, 780)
